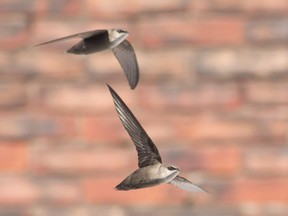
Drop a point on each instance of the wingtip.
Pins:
(110, 88)
(37, 45)
(133, 81)
(205, 191)
(40, 44)
(115, 96)
(133, 86)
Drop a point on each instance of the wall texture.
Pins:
(212, 96)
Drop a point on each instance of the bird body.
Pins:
(147, 177)
(151, 171)
(103, 39)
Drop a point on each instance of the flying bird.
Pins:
(151, 171)
(99, 40)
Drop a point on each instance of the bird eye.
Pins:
(171, 168)
(120, 31)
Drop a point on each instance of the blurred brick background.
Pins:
(212, 96)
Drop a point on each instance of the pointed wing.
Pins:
(125, 54)
(79, 35)
(184, 184)
(147, 151)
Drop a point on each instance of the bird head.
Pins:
(116, 36)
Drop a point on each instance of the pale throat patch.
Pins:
(115, 37)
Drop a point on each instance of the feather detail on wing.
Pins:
(78, 35)
(147, 151)
(185, 184)
(126, 56)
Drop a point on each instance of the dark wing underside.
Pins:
(78, 35)
(126, 56)
(94, 43)
(147, 151)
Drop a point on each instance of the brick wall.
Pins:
(212, 96)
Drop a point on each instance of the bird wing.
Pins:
(78, 35)
(147, 151)
(126, 56)
(185, 184)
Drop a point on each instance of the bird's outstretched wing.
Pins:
(78, 35)
(185, 184)
(126, 56)
(147, 151)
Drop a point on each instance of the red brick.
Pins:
(109, 10)
(77, 99)
(225, 63)
(256, 209)
(60, 193)
(269, 30)
(76, 160)
(216, 31)
(278, 6)
(13, 157)
(103, 129)
(41, 29)
(269, 93)
(12, 94)
(51, 64)
(14, 32)
(5, 61)
(16, 5)
(268, 161)
(160, 5)
(67, 8)
(149, 35)
(174, 98)
(222, 30)
(17, 192)
(26, 126)
(274, 112)
(82, 98)
(274, 131)
(210, 128)
(179, 68)
(257, 190)
(123, 9)
(255, 6)
(15, 127)
(200, 6)
(100, 190)
(221, 160)
(215, 160)
(104, 66)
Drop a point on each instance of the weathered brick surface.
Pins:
(257, 63)
(17, 192)
(264, 31)
(13, 157)
(257, 190)
(216, 31)
(212, 96)
(267, 161)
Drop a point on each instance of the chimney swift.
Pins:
(99, 40)
(151, 171)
